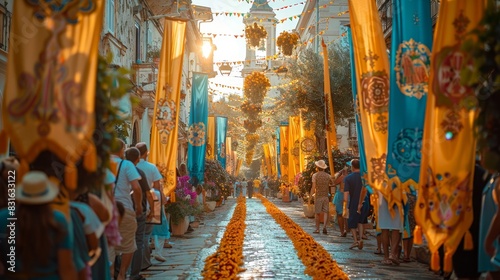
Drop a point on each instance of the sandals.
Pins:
(325, 231)
(378, 252)
(316, 231)
(360, 245)
(394, 260)
(354, 245)
(406, 260)
(343, 234)
(386, 262)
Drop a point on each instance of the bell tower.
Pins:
(263, 15)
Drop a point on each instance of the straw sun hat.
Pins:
(321, 164)
(36, 188)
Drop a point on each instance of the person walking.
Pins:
(338, 200)
(244, 186)
(127, 180)
(133, 155)
(250, 188)
(48, 254)
(320, 188)
(153, 176)
(352, 193)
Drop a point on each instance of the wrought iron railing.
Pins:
(385, 12)
(5, 17)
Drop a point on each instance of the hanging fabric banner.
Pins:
(331, 134)
(359, 130)
(294, 147)
(444, 204)
(164, 134)
(198, 121)
(410, 61)
(221, 130)
(272, 159)
(49, 96)
(211, 138)
(284, 157)
(235, 162)
(229, 156)
(267, 160)
(278, 153)
(238, 166)
(307, 143)
(372, 83)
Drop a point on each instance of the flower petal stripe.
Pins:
(318, 262)
(226, 261)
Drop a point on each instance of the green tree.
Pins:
(307, 94)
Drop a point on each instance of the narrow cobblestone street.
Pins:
(268, 252)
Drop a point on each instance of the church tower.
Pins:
(263, 15)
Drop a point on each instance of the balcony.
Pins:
(5, 18)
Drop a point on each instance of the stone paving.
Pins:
(268, 253)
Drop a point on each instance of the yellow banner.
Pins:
(267, 161)
(211, 138)
(284, 150)
(448, 148)
(238, 166)
(331, 134)
(229, 156)
(166, 114)
(372, 78)
(307, 143)
(51, 74)
(272, 159)
(294, 129)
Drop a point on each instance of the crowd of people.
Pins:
(355, 214)
(61, 233)
(246, 187)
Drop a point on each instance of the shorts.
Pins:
(127, 229)
(321, 205)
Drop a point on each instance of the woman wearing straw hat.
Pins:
(321, 187)
(42, 248)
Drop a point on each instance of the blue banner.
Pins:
(198, 124)
(410, 61)
(221, 131)
(359, 130)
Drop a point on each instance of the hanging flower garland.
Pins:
(250, 109)
(226, 261)
(318, 262)
(254, 33)
(255, 87)
(287, 42)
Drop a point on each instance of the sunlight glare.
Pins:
(206, 49)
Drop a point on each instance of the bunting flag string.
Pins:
(241, 88)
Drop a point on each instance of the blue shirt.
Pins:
(51, 269)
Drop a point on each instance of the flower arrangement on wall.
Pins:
(287, 42)
(250, 109)
(254, 33)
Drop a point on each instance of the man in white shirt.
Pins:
(127, 180)
(153, 176)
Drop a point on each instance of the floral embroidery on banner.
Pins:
(412, 68)
(407, 147)
(50, 94)
(284, 157)
(165, 118)
(378, 169)
(197, 134)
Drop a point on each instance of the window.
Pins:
(137, 42)
(110, 16)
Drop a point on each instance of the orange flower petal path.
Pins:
(226, 261)
(318, 262)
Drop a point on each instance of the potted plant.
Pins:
(153, 53)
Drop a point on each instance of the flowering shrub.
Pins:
(287, 42)
(254, 34)
(184, 190)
